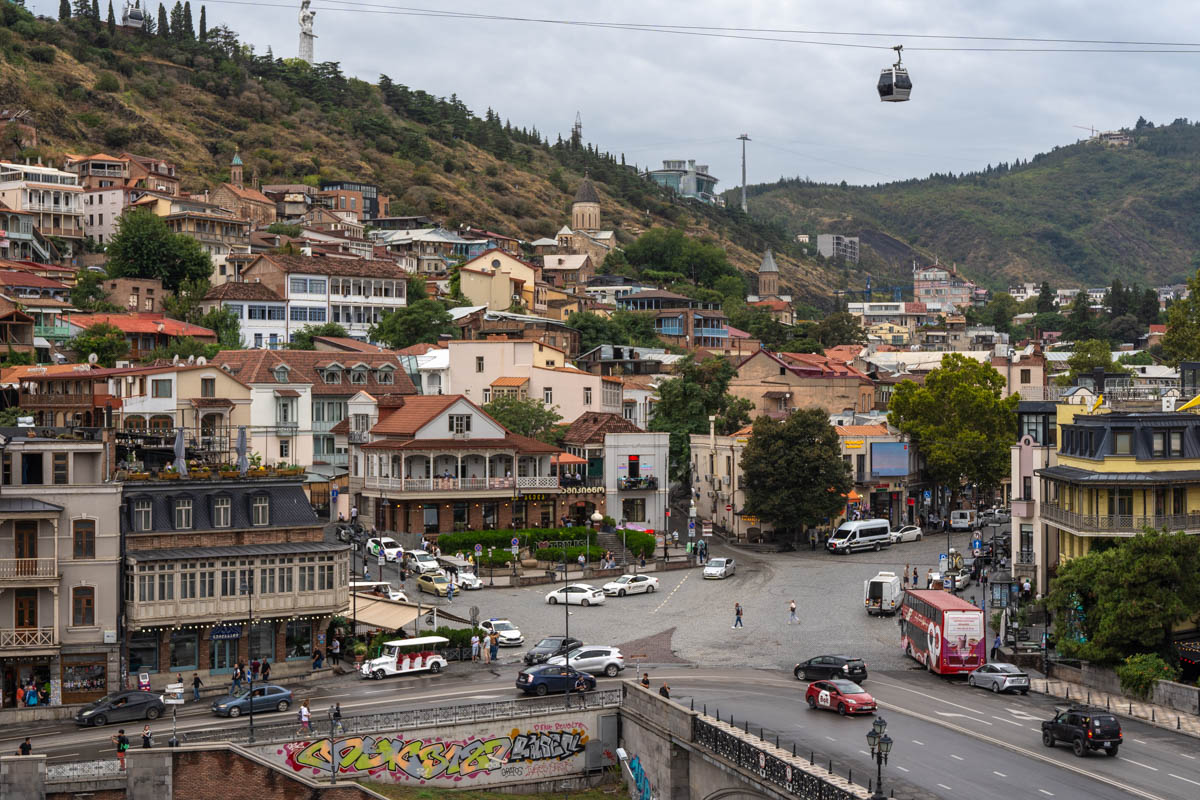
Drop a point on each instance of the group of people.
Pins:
(486, 648)
(664, 690)
(241, 672)
(699, 550)
(30, 694)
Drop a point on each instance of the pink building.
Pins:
(942, 290)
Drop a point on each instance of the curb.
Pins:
(1116, 711)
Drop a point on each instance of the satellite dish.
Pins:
(175, 359)
(202, 361)
(192, 359)
(93, 358)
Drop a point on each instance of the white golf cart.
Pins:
(404, 656)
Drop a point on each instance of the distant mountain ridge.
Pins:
(1079, 215)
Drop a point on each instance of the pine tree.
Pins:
(96, 11)
(189, 30)
(112, 19)
(177, 20)
(203, 26)
(64, 9)
(164, 28)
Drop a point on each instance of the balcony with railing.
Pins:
(359, 437)
(641, 483)
(427, 485)
(1026, 558)
(1119, 524)
(231, 608)
(52, 331)
(28, 571)
(26, 638)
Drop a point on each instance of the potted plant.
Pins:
(198, 470)
(285, 468)
(168, 473)
(228, 471)
(256, 468)
(359, 651)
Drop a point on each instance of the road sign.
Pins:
(515, 549)
(173, 695)
(478, 549)
(976, 544)
(668, 513)
(927, 494)
(382, 558)
(333, 493)
(691, 524)
(515, 542)
(728, 507)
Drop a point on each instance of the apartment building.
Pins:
(59, 565)
(478, 322)
(942, 290)
(47, 300)
(53, 196)
(886, 474)
(145, 331)
(778, 383)
(19, 240)
(500, 281)
(681, 320)
(835, 245)
(261, 313)
(485, 370)
(203, 399)
(717, 484)
(199, 554)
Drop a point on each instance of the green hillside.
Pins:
(191, 96)
(1079, 215)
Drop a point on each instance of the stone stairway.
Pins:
(612, 541)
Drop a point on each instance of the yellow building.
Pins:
(889, 333)
(497, 280)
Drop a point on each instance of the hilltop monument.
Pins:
(306, 31)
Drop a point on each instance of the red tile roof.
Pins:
(241, 290)
(145, 322)
(258, 366)
(350, 345)
(249, 194)
(829, 367)
(20, 276)
(329, 265)
(862, 430)
(416, 412)
(591, 427)
(417, 349)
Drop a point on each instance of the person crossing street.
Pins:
(792, 618)
(737, 616)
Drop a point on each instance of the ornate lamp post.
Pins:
(881, 745)
(597, 519)
(247, 588)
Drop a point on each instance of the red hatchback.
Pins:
(845, 697)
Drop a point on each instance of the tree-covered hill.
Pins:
(1079, 215)
(189, 94)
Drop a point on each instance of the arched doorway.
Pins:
(136, 422)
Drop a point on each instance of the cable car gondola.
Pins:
(894, 83)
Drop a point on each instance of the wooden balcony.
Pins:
(28, 572)
(27, 638)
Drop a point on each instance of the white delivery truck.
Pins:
(882, 594)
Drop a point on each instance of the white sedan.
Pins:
(909, 533)
(576, 594)
(631, 584)
(390, 548)
(719, 568)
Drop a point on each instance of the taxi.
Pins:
(842, 696)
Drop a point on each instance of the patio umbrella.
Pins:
(180, 453)
(243, 463)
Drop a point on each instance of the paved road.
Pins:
(950, 740)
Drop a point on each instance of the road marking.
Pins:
(1009, 721)
(1139, 741)
(1185, 755)
(864, 752)
(1140, 764)
(902, 769)
(63, 755)
(1180, 777)
(920, 743)
(964, 716)
(944, 786)
(667, 599)
(957, 758)
(830, 738)
(1001, 774)
(1048, 794)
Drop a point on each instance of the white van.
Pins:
(964, 520)
(861, 534)
(881, 594)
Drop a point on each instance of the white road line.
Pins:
(1180, 777)
(1048, 794)
(63, 755)
(667, 599)
(957, 758)
(1140, 764)
(1001, 774)
(864, 752)
(830, 738)
(1139, 741)
(902, 769)
(944, 786)
(1185, 755)
(1009, 721)
(920, 743)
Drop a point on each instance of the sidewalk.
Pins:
(1149, 713)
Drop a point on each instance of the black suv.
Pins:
(1085, 728)
(549, 647)
(828, 667)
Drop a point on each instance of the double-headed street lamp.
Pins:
(881, 745)
(247, 588)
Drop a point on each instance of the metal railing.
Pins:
(357, 724)
(359, 437)
(85, 399)
(765, 762)
(1120, 523)
(1026, 558)
(440, 484)
(27, 637)
(83, 770)
(17, 568)
(530, 482)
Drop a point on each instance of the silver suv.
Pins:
(591, 658)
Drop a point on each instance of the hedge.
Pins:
(637, 542)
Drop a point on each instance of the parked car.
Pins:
(590, 658)
(860, 534)
(434, 583)
(831, 667)
(421, 562)
(122, 707)
(909, 533)
(631, 584)
(381, 588)
(720, 568)
(1085, 729)
(549, 647)
(268, 697)
(508, 634)
(842, 696)
(545, 678)
(964, 520)
(1000, 677)
(576, 594)
(390, 548)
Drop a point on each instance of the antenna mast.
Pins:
(743, 139)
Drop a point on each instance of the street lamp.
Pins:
(881, 745)
(597, 519)
(247, 588)
(491, 568)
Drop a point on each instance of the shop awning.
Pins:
(374, 611)
(852, 496)
(567, 458)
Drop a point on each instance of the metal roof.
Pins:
(10, 505)
(236, 551)
(1076, 475)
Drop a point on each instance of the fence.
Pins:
(415, 718)
(766, 764)
(83, 770)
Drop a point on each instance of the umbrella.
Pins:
(243, 463)
(180, 454)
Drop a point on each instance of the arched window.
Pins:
(161, 423)
(135, 423)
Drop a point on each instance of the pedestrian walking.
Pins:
(305, 716)
(485, 650)
(335, 651)
(737, 616)
(255, 666)
(665, 690)
(645, 681)
(122, 742)
(237, 678)
(266, 670)
(196, 684)
(914, 578)
(996, 645)
(792, 618)
(494, 645)
(366, 572)
(335, 714)
(904, 576)
(475, 647)
(353, 515)
(26, 748)
(147, 738)
(450, 593)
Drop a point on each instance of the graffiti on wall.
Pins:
(548, 751)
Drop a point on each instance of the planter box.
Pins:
(168, 476)
(138, 476)
(229, 473)
(256, 473)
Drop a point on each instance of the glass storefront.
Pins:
(299, 639)
(185, 650)
(262, 641)
(84, 677)
(14, 673)
(143, 652)
(223, 654)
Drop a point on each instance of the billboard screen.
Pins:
(889, 459)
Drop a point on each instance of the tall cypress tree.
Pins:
(112, 19)
(64, 9)
(164, 28)
(203, 26)
(189, 30)
(96, 11)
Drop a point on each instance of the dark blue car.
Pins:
(267, 697)
(546, 678)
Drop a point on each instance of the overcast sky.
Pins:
(810, 110)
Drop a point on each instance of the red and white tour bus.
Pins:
(942, 631)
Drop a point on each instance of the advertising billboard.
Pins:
(889, 459)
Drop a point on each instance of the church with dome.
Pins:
(584, 236)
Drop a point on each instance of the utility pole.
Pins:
(743, 139)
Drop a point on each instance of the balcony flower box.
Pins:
(138, 476)
(168, 475)
(257, 472)
(228, 473)
(290, 471)
(200, 473)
